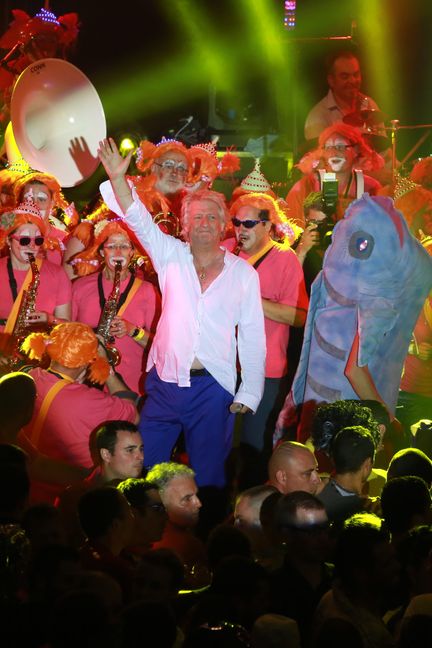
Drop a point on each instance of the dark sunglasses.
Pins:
(246, 223)
(26, 240)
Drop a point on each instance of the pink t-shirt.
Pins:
(56, 256)
(143, 310)
(75, 411)
(54, 288)
(282, 281)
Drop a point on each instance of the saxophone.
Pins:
(107, 316)
(27, 306)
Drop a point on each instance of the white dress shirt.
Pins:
(196, 324)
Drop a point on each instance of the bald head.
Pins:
(293, 467)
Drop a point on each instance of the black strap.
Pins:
(12, 280)
(261, 259)
(54, 373)
(123, 296)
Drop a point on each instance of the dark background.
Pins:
(126, 49)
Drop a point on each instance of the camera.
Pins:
(329, 194)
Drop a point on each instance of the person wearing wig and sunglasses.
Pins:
(23, 232)
(258, 221)
(138, 305)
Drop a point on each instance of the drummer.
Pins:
(344, 101)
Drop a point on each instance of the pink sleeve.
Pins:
(64, 288)
(294, 289)
(105, 407)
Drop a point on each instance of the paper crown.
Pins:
(28, 207)
(404, 186)
(256, 181)
(20, 166)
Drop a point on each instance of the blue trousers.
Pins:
(201, 412)
(257, 429)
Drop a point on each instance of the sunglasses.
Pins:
(246, 223)
(26, 240)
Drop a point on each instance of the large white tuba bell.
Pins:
(57, 121)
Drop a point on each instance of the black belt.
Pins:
(199, 372)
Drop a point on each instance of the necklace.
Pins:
(203, 270)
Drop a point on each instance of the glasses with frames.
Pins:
(26, 240)
(337, 147)
(246, 223)
(123, 247)
(170, 165)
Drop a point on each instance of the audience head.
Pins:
(119, 449)
(302, 523)
(293, 467)
(330, 418)
(17, 399)
(353, 450)
(43, 526)
(405, 503)
(225, 540)
(422, 436)
(104, 512)
(410, 461)
(178, 491)
(364, 558)
(248, 505)
(149, 512)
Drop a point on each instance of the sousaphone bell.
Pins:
(57, 121)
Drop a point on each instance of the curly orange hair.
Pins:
(367, 159)
(283, 225)
(43, 178)
(147, 152)
(90, 259)
(9, 222)
(71, 344)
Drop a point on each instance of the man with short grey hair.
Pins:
(179, 495)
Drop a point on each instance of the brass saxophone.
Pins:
(107, 316)
(21, 328)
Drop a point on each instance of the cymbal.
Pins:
(378, 142)
(368, 117)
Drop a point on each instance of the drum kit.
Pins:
(371, 123)
(57, 121)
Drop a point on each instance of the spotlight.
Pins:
(127, 144)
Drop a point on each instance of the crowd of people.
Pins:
(161, 479)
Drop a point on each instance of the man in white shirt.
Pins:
(343, 98)
(211, 310)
